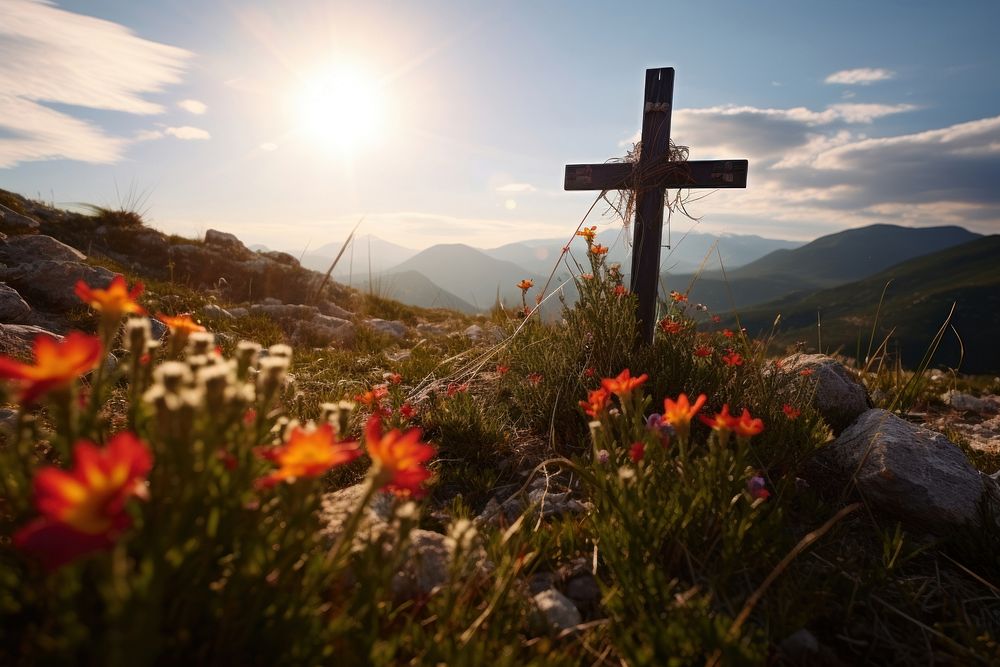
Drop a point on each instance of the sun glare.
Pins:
(340, 108)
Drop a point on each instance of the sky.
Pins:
(286, 122)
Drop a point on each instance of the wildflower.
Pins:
(587, 276)
(181, 325)
(598, 249)
(406, 411)
(374, 396)
(602, 456)
(806, 372)
(779, 363)
(596, 403)
(589, 372)
(721, 422)
(680, 412)
(503, 369)
(757, 488)
(661, 427)
(455, 388)
(790, 411)
(398, 458)
(308, 453)
(526, 284)
(671, 326)
(746, 426)
(620, 290)
(394, 378)
(534, 379)
(732, 358)
(115, 300)
(637, 452)
(623, 384)
(716, 319)
(588, 234)
(56, 365)
(703, 351)
(678, 297)
(83, 509)
(727, 333)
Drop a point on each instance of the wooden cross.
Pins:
(650, 177)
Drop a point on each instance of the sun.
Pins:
(340, 107)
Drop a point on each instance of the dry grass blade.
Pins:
(329, 272)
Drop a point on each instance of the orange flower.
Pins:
(620, 290)
(732, 358)
(671, 326)
(703, 351)
(57, 364)
(721, 421)
(373, 396)
(677, 296)
(114, 301)
(503, 369)
(596, 403)
(623, 385)
(398, 458)
(455, 388)
(747, 426)
(599, 249)
(526, 284)
(180, 325)
(790, 411)
(83, 510)
(395, 378)
(587, 276)
(679, 413)
(534, 379)
(307, 454)
(588, 233)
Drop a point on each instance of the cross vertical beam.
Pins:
(648, 235)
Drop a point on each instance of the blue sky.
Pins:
(452, 121)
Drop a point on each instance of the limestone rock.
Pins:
(838, 396)
(426, 567)
(214, 312)
(473, 332)
(333, 310)
(970, 403)
(52, 284)
(559, 610)
(15, 222)
(281, 311)
(224, 240)
(910, 472)
(12, 307)
(431, 329)
(280, 257)
(325, 331)
(392, 328)
(26, 249)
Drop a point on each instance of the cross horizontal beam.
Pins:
(678, 175)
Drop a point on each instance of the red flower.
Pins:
(373, 396)
(596, 403)
(114, 301)
(395, 378)
(398, 458)
(502, 369)
(679, 413)
(307, 454)
(598, 249)
(83, 510)
(455, 388)
(534, 379)
(671, 326)
(588, 233)
(716, 319)
(790, 411)
(703, 351)
(406, 411)
(721, 421)
(56, 365)
(526, 284)
(623, 384)
(677, 296)
(805, 372)
(727, 333)
(589, 372)
(620, 290)
(732, 359)
(637, 452)
(746, 426)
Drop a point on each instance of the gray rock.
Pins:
(838, 396)
(583, 590)
(907, 471)
(239, 312)
(429, 329)
(324, 332)
(26, 333)
(473, 332)
(13, 220)
(559, 610)
(26, 249)
(281, 311)
(393, 328)
(157, 329)
(280, 257)
(426, 567)
(224, 240)
(271, 301)
(12, 307)
(333, 310)
(8, 417)
(969, 403)
(52, 284)
(214, 312)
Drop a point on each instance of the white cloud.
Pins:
(187, 132)
(517, 187)
(862, 76)
(51, 55)
(193, 106)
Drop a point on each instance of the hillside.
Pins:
(826, 262)
(917, 301)
(414, 289)
(468, 273)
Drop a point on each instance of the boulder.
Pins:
(225, 240)
(280, 257)
(26, 249)
(473, 332)
(837, 395)
(432, 329)
(332, 309)
(970, 403)
(558, 610)
(12, 307)
(907, 471)
(393, 328)
(52, 283)
(324, 331)
(281, 311)
(214, 312)
(15, 222)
